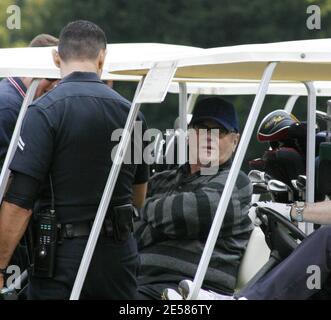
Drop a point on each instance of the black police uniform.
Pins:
(12, 93)
(67, 133)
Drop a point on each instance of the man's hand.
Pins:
(283, 209)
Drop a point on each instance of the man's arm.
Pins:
(8, 119)
(29, 166)
(141, 177)
(139, 194)
(13, 223)
(189, 215)
(15, 213)
(319, 212)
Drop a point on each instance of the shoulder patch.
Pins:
(21, 143)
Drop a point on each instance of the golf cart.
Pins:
(302, 61)
(296, 61)
(278, 240)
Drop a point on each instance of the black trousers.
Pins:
(111, 275)
(294, 278)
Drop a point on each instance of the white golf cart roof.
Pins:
(38, 62)
(323, 88)
(306, 60)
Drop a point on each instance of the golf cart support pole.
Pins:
(311, 141)
(152, 88)
(191, 102)
(290, 103)
(182, 123)
(106, 197)
(5, 172)
(231, 180)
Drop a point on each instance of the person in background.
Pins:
(181, 204)
(12, 93)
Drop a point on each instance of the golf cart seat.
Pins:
(256, 256)
(268, 248)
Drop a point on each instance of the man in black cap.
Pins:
(177, 215)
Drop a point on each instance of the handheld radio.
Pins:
(45, 241)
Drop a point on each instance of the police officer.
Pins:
(12, 93)
(64, 153)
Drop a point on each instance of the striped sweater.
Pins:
(175, 223)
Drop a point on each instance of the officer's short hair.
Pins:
(81, 40)
(44, 40)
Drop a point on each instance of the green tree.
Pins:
(203, 23)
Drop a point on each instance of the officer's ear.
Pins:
(56, 58)
(101, 58)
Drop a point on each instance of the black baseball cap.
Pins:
(217, 109)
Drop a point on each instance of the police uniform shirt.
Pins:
(67, 133)
(12, 93)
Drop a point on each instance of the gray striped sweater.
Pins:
(175, 223)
